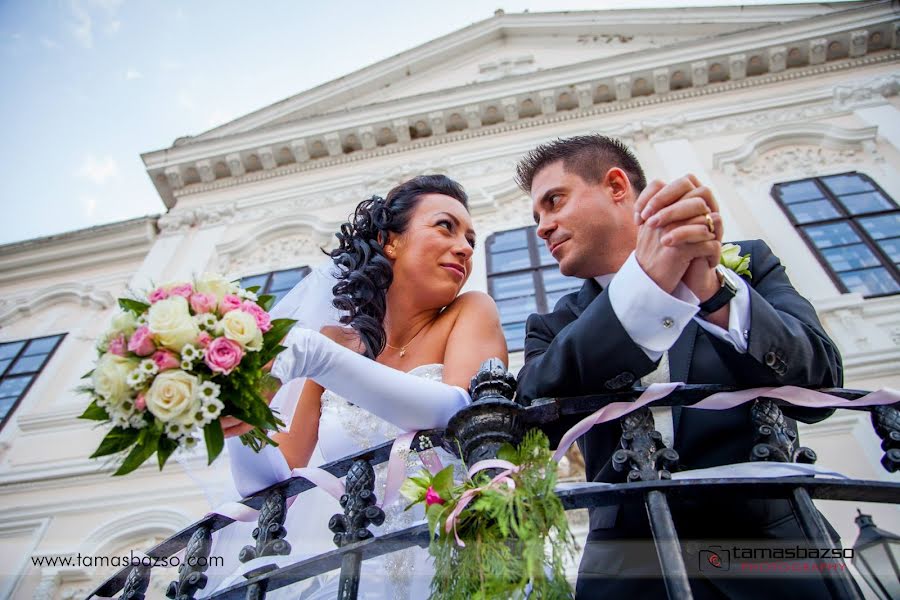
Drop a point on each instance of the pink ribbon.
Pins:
(722, 401)
(469, 495)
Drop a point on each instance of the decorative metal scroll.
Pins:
(643, 452)
(775, 440)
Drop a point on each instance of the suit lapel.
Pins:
(590, 290)
(680, 356)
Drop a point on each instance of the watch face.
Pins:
(727, 279)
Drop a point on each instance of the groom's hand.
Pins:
(678, 232)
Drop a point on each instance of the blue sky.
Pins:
(88, 85)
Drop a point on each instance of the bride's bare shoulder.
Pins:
(345, 336)
(475, 304)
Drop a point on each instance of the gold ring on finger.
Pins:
(710, 224)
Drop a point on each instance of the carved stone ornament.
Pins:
(800, 160)
(270, 256)
(851, 96)
(179, 221)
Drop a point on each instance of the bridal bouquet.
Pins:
(504, 536)
(175, 361)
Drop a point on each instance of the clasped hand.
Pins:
(675, 240)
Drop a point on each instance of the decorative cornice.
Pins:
(12, 309)
(335, 139)
(58, 420)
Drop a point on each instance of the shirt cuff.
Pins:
(652, 318)
(738, 318)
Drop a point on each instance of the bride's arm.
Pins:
(475, 337)
(298, 442)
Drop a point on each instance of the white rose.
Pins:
(218, 286)
(171, 322)
(110, 377)
(242, 328)
(173, 397)
(123, 322)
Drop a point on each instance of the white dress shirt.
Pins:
(654, 320)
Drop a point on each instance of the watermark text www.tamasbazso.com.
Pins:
(130, 560)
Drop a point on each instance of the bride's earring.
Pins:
(389, 250)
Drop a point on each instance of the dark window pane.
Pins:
(511, 286)
(512, 260)
(554, 297)
(42, 345)
(798, 192)
(516, 309)
(554, 280)
(845, 258)
(3, 364)
(278, 296)
(819, 210)
(847, 184)
(515, 335)
(870, 281)
(891, 247)
(253, 280)
(285, 280)
(833, 234)
(5, 405)
(14, 386)
(28, 364)
(11, 349)
(886, 226)
(508, 240)
(868, 202)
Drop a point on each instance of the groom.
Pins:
(654, 307)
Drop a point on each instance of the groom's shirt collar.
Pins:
(604, 280)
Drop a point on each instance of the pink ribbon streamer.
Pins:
(722, 401)
(469, 495)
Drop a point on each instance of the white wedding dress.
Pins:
(344, 429)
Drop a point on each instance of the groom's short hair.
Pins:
(588, 156)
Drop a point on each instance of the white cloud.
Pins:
(97, 170)
(49, 43)
(132, 73)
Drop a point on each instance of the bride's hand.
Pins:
(232, 426)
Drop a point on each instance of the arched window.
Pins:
(276, 283)
(523, 278)
(853, 227)
(21, 362)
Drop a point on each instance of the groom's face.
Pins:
(588, 227)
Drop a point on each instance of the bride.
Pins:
(398, 355)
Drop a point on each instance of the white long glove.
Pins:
(253, 471)
(407, 401)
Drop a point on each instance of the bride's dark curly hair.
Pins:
(365, 272)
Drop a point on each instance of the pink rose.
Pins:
(157, 295)
(229, 303)
(204, 339)
(141, 343)
(166, 360)
(223, 355)
(140, 403)
(263, 320)
(184, 290)
(203, 303)
(117, 345)
(432, 497)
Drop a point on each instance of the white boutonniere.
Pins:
(731, 258)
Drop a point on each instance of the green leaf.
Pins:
(135, 306)
(433, 513)
(165, 447)
(266, 301)
(252, 289)
(88, 374)
(143, 450)
(94, 413)
(443, 481)
(215, 440)
(116, 440)
(280, 328)
(508, 452)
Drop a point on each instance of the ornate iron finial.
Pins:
(136, 584)
(477, 431)
(191, 576)
(774, 439)
(886, 421)
(359, 506)
(643, 452)
(270, 532)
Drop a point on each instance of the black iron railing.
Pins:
(476, 433)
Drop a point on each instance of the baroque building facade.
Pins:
(789, 112)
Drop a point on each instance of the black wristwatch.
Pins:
(723, 296)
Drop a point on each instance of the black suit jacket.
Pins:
(581, 348)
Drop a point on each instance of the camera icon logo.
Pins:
(715, 558)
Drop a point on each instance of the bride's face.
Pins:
(433, 257)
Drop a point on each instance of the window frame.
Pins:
(35, 374)
(265, 287)
(535, 268)
(844, 216)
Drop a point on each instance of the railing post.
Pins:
(886, 421)
(647, 458)
(136, 584)
(359, 512)
(269, 535)
(776, 441)
(191, 576)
